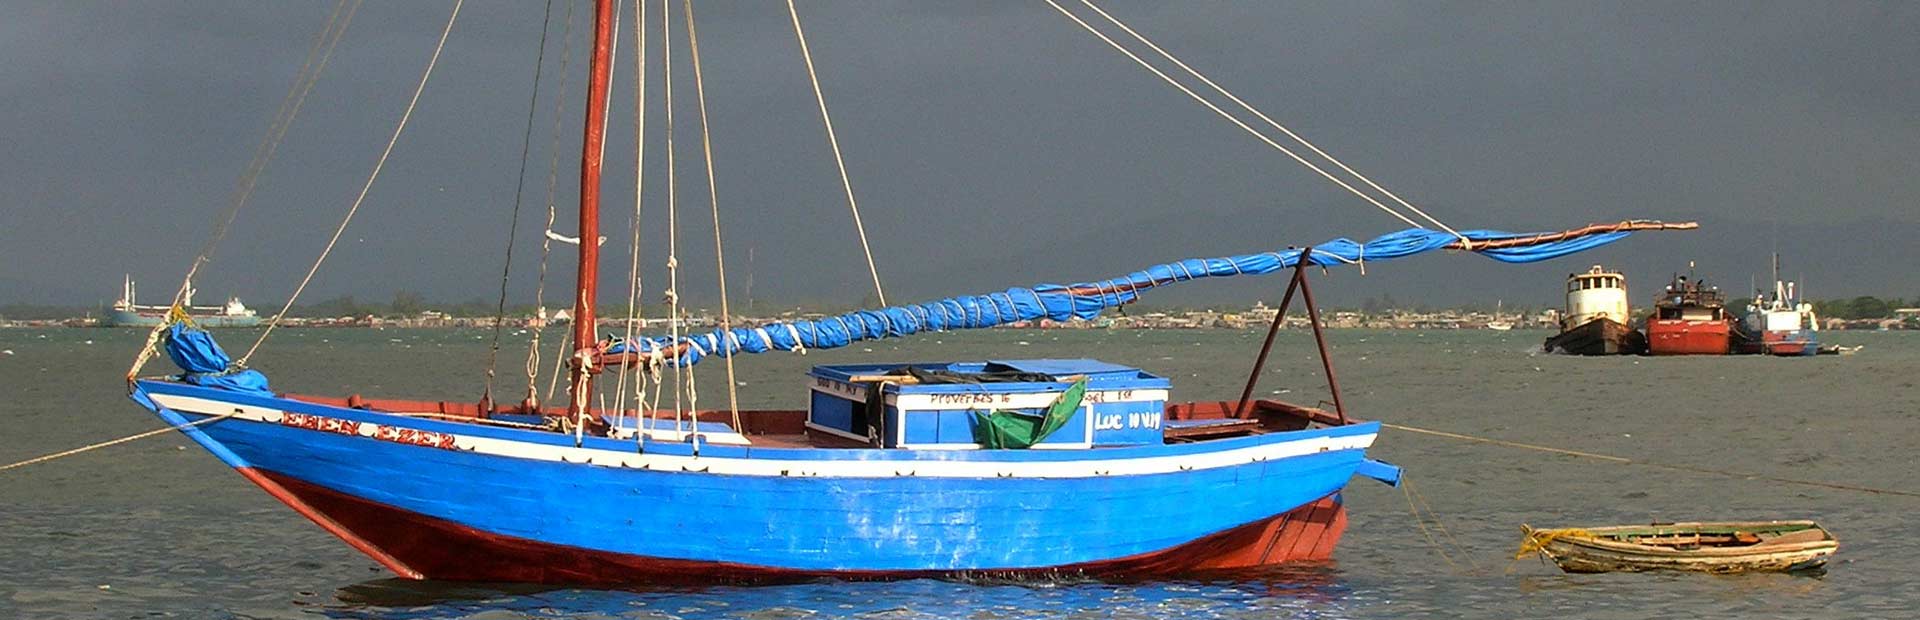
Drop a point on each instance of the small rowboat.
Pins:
(1721, 548)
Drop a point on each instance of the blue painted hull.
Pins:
(777, 510)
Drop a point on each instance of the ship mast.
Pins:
(587, 276)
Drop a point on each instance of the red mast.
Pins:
(587, 278)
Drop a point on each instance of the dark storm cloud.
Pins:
(992, 144)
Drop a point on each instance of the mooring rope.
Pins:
(115, 442)
(1671, 466)
(1414, 495)
(1420, 520)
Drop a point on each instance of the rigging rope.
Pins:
(1262, 115)
(115, 442)
(1230, 118)
(519, 191)
(1670, 466)
(546, 241)
(673, 204)
(719, 250)
(639, 183)
(833, 141)
(388, 151)
(318, 55)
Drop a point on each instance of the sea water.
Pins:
(158, 528)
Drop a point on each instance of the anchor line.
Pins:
(1654, 464)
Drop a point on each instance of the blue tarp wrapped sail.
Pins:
(1087, 299)
(194, 351)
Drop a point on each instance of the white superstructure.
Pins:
(1596, 294)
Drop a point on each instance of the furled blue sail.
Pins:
(205, 364)
(1086, 300)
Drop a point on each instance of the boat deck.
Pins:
(787, 428)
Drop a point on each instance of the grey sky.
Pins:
(991, 144)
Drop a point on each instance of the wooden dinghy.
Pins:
(1721, 548)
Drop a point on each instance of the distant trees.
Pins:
(407, 303)
(404, 304)
(1862, 307)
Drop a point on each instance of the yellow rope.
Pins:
(1536, 541)
(115, 442)
(1422, 522)
(364, 189)
(1628, 461)
(719, 250)
(1407, 484)
(834, 141)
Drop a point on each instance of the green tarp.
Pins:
(1016, 430)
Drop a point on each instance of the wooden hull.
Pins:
(1593, 551)
(443, 499)
(1598, 337)
(1685, 337)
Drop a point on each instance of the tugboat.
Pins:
(1690, 318)
(1781, 324)
(1594, 321)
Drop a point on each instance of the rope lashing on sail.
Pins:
(1087, 300)
(833, 140)
(379, 165)
(1263, 117)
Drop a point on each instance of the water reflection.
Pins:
(1309, 591)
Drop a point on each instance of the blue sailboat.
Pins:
(893, 470)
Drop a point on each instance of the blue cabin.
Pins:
(934, 405)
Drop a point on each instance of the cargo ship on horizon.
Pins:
(128, 313)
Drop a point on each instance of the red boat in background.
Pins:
(1690, 318)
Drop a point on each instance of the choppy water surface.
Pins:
(160, 529)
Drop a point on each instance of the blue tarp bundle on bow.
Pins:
(194, 351)
(1084, 300)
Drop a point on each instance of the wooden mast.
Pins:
(587, 276)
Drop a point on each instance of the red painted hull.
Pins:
(1684, 337)
(420, 547)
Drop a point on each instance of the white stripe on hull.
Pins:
(1086, 468)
